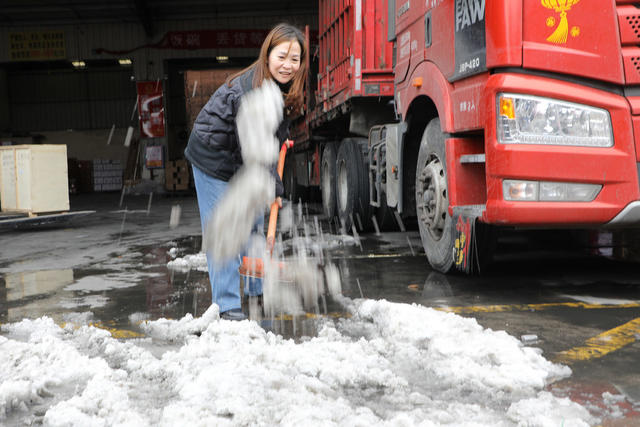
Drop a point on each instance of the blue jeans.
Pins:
(224, 277)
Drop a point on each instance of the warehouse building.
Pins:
(119, 82)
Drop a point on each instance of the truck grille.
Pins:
(629, 23)
(632, 24)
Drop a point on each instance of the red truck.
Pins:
(469, 114)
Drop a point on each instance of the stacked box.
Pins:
(176, 175)
(107, 175)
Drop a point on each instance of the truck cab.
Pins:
(463, 116)
(520, 113)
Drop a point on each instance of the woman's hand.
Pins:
(279, 201)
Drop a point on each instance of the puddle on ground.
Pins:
(138, 284)
(136, 287)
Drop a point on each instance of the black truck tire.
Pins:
(437, 230)
(292, 190)
(289, 181)
(352, 185)
(328, 180)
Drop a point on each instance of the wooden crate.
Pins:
(34, 179)
(199, 85)
(176, 175)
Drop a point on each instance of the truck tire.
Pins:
(352, 185)
(432, 199)
(292, 190)
(328, 180)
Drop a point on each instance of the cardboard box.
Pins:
(34, 178)
(176, 175)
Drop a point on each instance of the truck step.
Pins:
(472, 158)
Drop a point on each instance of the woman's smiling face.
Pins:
(284, 61)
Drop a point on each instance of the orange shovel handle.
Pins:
(273, 215)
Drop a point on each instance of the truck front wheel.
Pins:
(432, 199)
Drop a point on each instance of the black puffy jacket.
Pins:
(213, 145)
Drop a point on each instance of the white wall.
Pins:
(85, 145)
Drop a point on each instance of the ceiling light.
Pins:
(124, 61)
(222, 58)
(78, 64)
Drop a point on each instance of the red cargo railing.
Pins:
(355, 58)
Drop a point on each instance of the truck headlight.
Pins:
(526, 119)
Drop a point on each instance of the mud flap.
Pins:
(465, 249)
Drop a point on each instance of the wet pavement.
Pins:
(578, 309)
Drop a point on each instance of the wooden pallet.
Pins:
(21, 220)
(29, 214)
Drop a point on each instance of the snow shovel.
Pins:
(252, 269)
(300, 277)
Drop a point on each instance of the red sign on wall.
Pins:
(150, 109)
(206, 39)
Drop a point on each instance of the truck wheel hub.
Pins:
(432, 197)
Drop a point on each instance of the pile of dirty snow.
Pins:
(388, 364)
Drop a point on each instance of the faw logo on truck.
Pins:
(559, 36)
(468, 12)
(470, 39)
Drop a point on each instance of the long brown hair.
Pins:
(281, 33)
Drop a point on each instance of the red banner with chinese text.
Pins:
(205, 39)
(150, 109)
(210, 39)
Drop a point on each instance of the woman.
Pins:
(213, 147)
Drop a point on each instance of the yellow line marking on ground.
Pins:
(335, 315)
(531, 307)
(603, 344)
(115, 332)
(119, 333)
(368, 256)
